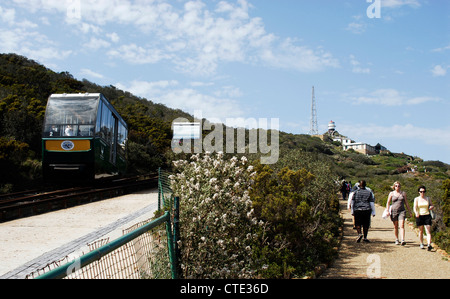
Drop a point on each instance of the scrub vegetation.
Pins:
(241, 219)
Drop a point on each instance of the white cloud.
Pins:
(360, 25)
(438, 71)
(430, 136)
(30, 44)
(97, 43)
(135, 54)
(390, 97)
(21, 37)
(147, 89)
(200, 84)
(229, 91)
(187, 99)
(195, 39)
(443, 49)
(46, 5)
(212, 107)
(90, 73)
(7, 15)
(45, 54)
(287, 55)
(356, 68)
(356, 27)
(87, 28)
(400, 3)
(114, 37)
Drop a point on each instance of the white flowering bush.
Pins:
(217, 223)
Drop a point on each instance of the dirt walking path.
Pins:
(381, 258)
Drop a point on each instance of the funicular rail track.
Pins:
(33, 202)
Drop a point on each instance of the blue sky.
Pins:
(384, 79)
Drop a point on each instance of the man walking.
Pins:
(362, 205)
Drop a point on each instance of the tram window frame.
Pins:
(108, 121)
(105, 123)
(98, 123)
(122, 136)
(82, 117)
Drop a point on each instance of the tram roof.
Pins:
(78, 95)
(88, 95)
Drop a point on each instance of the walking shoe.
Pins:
(366, 240)
(429, 247)
(421, 246)
(403, 243)
(359, 238)
(397, 242)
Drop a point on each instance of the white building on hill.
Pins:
(360, 147)
(348, 144)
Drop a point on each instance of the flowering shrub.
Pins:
(217, 223)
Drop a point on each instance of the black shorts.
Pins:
(362, 218)
(423, 220)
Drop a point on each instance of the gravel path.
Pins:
(382, 258)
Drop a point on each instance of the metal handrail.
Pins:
(97, 254)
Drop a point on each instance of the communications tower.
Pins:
(314, 130)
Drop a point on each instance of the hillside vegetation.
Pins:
(298, 194)
(24, 90)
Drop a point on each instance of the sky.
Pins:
(380, 68)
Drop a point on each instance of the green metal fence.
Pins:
(165, 196)
(148, 250)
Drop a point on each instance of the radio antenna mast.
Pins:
(314, 128)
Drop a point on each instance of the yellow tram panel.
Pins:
(67, 145)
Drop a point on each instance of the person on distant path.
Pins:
(362, 203)
(349, 201)
(397, 199)
(352, 190)
(344, 190)
(422, 207)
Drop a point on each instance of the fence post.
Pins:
(171, 249)
(159, 188)
(176, 233)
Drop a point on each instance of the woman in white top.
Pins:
(422, 207)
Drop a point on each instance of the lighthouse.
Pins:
(331, 128)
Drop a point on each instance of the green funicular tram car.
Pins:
(84, 138)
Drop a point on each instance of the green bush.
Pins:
(300, 207)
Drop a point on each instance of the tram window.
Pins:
(112, 129)
(98, 126)
(122, 139)
(106, 129)
(51, 131)
(70, 130)
(86, 130)
(70, 117)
